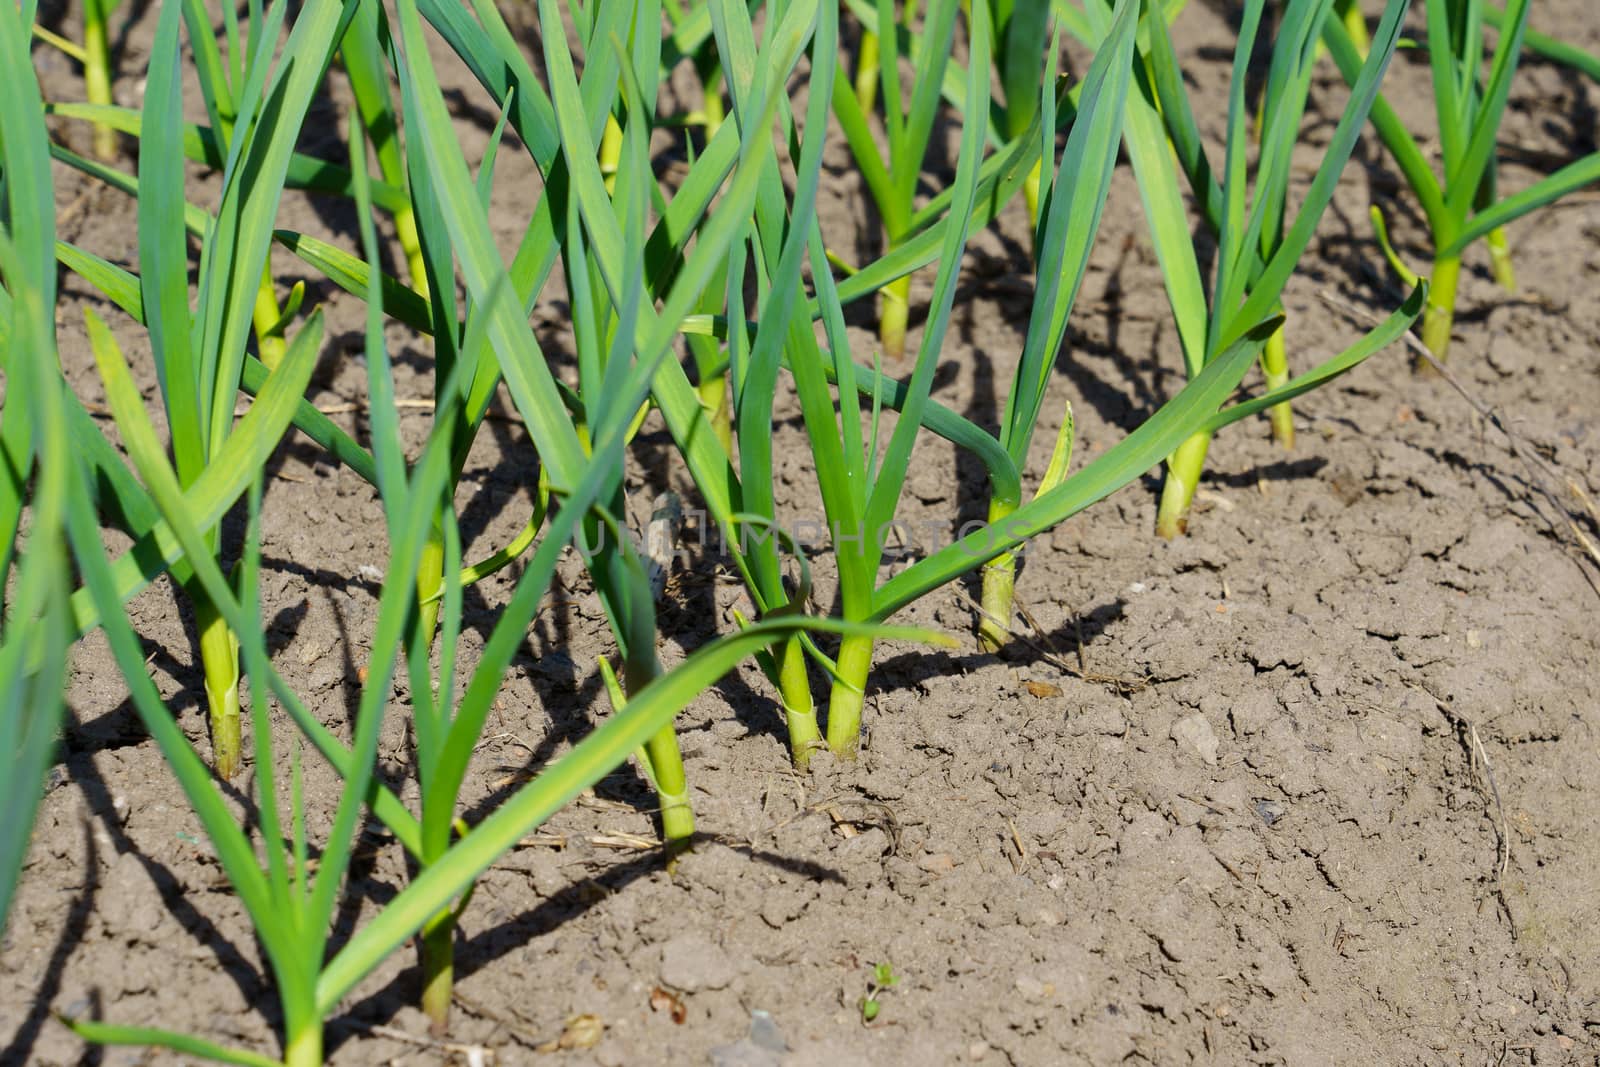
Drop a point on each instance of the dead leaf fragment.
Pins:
(581, 1032)
(671, 1003)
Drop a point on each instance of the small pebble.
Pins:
(763, 1047)
(1194, 734)
(1270, 811)
(764, 1032)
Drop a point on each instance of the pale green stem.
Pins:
(367, 77)
(895, 313)
(999, 584)
(1000, 574)
(405, 228)
(672, 788)
(1275, 364)
(714, 401)
(1177, 492)
(1355, 24)
(849, 693)
(894, 298)
(1439, 316)
(430, 583)
(666, 760)
(438, 968)
(1030, 193)
(1500, 259)
(867, 72)
(610, 152)
(266, 316)
(219, 662)
(798, 707)
(713, 109)
(305, 1046)
(97, 73)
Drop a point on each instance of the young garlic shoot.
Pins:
(94, 55)
(200, 356)
(1461, 201)
(860, 487)
(998, 177)
(290, 905)
(733, 497)
(97, 68)
(892, 182)
(37, 475)
(498, 342)
(362, 53)
(1019, 33)
(1074, 192)
(692, 40)
(861, 484)
(1258, 244)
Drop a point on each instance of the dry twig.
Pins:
(475, 1055)
(1476, 755)
(1050, 654)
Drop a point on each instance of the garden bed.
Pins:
(1316, 783)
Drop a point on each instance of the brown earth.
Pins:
(1328, 796)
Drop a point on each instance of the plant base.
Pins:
(1500, 263)
(849, 693)
(438, 969)
(999, 589)
(305, 1048)
(799, 710)
(672, 790)
(1275, 365)
(1177, 492)
(677, 817)
(1000, 577)
(1438, 317)
(405, 228)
